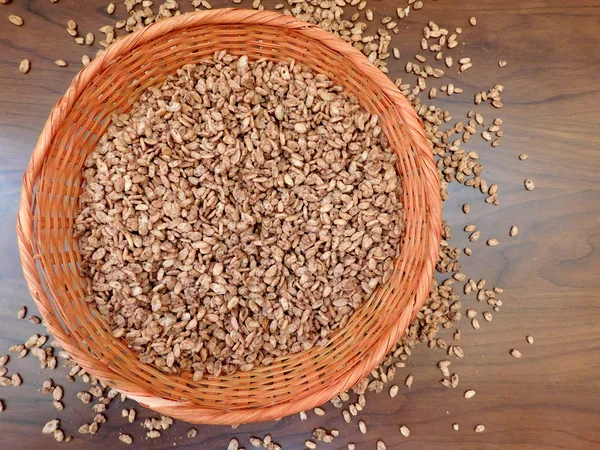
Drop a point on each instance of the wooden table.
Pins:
(550, 272)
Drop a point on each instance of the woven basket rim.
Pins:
(228, 16)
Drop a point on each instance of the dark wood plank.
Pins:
(548, 399)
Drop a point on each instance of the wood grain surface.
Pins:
(550, 272)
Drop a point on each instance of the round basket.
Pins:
(53, 182)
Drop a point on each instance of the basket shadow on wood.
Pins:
(53, 182)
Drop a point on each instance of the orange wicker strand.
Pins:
(53, 182)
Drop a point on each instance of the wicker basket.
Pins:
(53, 182)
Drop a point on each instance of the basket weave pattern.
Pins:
(53, 182)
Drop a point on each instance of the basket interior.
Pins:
(115, 89)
